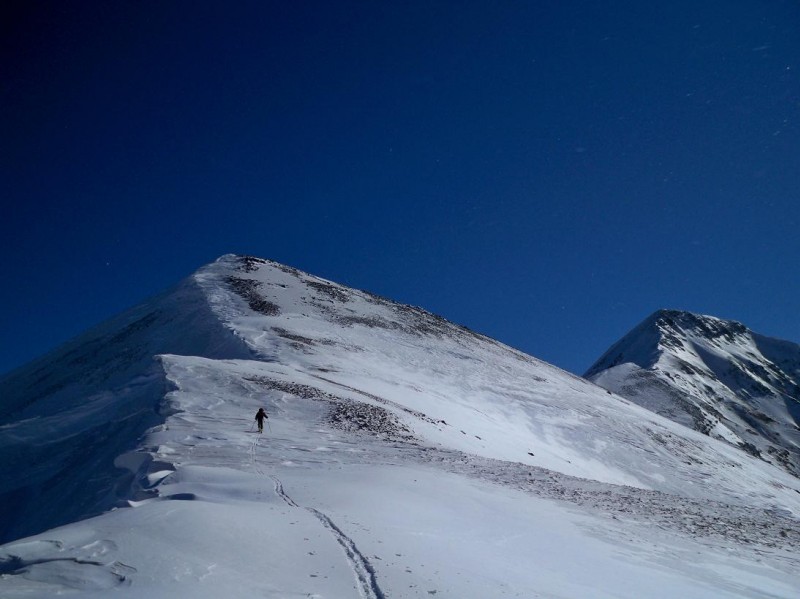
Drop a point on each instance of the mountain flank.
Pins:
(715, 376)
(404, 456)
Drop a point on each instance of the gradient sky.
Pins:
(546, 173)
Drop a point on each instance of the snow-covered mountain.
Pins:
(715, 376)
(404, 456)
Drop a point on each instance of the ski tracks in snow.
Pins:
(253, 460)
(362, 569)
(279, 491)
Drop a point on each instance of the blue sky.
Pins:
(547, 173)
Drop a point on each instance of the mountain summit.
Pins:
(715, 376)
(403, 456)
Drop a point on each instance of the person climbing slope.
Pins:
(260, 415)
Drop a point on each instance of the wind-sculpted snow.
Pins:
(82, 568)
(67, 416)
(404, 456)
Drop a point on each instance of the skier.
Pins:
(260, 415)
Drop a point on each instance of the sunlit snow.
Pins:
(404, 457)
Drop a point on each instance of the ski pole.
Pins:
(268, 426)
(251, 426)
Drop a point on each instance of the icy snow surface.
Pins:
(404, 457)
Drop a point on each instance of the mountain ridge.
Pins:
(714, 375)
(404, 456)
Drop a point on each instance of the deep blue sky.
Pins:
(547, 173)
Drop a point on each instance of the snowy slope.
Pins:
(405, 457)
(715, 376)
(65, 417)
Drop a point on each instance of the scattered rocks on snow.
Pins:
(345, 413)
(247, 289)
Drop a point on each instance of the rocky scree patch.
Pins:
(247, 289)
(344, 413)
